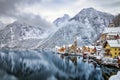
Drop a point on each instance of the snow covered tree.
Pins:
(116, 20)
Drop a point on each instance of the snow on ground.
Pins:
(115, 77)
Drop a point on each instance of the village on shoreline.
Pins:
(105, 51)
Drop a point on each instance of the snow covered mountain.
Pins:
(21, 35)
(86, 27)
(61, 20)
(93, 19)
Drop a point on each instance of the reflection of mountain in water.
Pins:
(5, 76)
(45, 65)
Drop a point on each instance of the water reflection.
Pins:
(45, 65)
(5, 76)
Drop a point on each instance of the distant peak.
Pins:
(66, 15)
(88, 9)
(62, 19)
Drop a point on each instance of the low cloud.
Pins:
(51, 9)
(34, 20)
(10, 9)
(107, 3)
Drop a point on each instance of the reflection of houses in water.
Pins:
(69, 52)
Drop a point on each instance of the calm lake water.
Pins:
(44, 65)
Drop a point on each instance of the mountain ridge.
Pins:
(21, 35)
(87, 26)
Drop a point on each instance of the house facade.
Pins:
(112, 48)
(110, 33)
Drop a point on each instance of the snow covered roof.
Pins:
(114, 34)
(115, 77)
(57, 47)
(69, 45)
(114, 43)
(112, 30)
(98, 47)
(98, 57)
(90, 46)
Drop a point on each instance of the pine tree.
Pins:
(116, 20)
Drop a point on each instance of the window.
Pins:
(115, 57)
(115, 49)
(119, 49)
(119, 53)
(115, 53)
(110, 55)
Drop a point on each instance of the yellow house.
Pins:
(112, 48)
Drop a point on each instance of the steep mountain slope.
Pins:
(21, 35)
(93, 18)
(86, 27)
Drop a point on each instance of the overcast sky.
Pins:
(42, 10)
